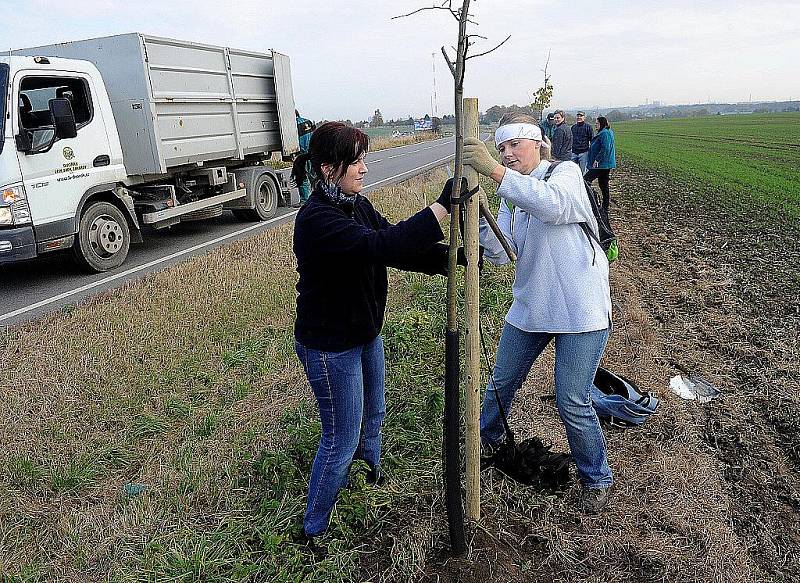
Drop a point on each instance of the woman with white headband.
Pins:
(561, 291)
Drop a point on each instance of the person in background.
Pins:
(581, 138)
(305, 127)
(562, 137)
(602, 158)
(548, 126)
(343, 247)
(561, 292)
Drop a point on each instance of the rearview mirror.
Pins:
(63, 118)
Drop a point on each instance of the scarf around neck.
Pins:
(336, 196)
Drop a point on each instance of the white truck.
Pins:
(101, 137)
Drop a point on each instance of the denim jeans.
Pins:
(577, 358)
(349, 388)
(581, 159)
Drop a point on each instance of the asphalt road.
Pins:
(34, 288)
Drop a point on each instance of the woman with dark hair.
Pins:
(343, 247)
(602, 158)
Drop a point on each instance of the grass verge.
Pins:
(379, 143)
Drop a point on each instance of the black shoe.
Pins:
(594, 500)
(375, 478)
(312, 543)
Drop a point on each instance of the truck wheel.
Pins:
(266, 195)
(103, 238)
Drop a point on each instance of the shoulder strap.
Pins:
(586, 229)
(549, 172)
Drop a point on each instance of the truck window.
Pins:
(35, 94)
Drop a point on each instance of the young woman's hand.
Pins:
(477, 155)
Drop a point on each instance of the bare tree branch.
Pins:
(442, 7)
(546, 78)
(449, 62)
(490, 50)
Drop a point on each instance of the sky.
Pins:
(349, 57)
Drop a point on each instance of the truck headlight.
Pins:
(14, 208)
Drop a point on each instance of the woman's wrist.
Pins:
(439, 211)
(498, 173)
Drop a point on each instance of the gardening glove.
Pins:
(444, 198)
(462, 257)
(477, 155)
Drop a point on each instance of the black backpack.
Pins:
(606, 238)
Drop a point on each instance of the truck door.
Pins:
(56, 178)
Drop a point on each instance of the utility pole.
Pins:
(435, 105)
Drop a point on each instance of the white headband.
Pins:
(511, 131)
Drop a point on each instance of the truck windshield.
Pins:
(3, 97)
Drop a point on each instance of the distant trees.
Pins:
(377, 118)
(617, 115)
(494, 113)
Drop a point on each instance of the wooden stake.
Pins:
(473, 341)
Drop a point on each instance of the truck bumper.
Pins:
(17, 244)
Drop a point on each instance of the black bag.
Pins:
(530, 462)
(606, 237)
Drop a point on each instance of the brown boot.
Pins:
(594, 500)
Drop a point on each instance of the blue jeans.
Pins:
(577, 358)
(349, 388)
(581, 160)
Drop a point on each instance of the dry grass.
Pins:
(376, 144)
(133, 387)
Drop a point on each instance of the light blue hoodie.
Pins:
(561, 283)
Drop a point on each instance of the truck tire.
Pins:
(103, 239)
(266, 197)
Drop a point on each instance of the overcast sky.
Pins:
(348, 58)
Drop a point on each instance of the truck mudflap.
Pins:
(17, 244)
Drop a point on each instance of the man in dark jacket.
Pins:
(582, 135)
(562, 138)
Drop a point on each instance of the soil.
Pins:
(703, 492)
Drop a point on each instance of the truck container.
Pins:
(107, 135)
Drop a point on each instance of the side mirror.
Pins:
(63, 118)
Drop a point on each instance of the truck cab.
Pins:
(59, 146)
